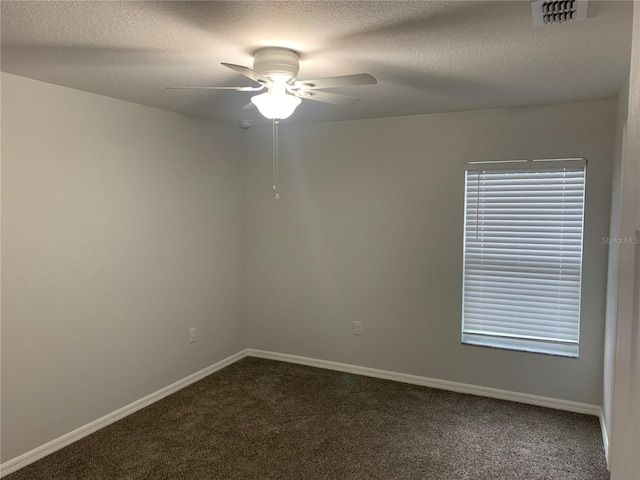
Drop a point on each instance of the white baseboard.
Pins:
(556, 403)
(60, 442)
(605, 437)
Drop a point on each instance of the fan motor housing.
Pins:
(276, 61)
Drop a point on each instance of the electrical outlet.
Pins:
(357, 328)
(192, 335)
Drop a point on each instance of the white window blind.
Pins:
(523, 255)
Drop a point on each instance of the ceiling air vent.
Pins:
(548, 12)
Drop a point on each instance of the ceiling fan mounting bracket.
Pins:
(277, 61)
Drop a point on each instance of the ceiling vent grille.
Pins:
(548, 12)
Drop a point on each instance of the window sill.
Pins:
(531, 346)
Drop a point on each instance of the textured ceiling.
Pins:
(427, 56)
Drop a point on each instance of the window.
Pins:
(523, 255)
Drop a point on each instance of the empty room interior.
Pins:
(320, 239)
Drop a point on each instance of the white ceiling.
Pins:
(427, 56)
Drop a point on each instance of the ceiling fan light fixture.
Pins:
(276, 69)
(276, 106)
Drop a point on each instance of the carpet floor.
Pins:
(261, 419)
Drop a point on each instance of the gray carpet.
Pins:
(260, 419)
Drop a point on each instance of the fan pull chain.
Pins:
(275, 159)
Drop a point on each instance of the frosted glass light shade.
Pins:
(276, 105)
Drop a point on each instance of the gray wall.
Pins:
(622, 108)
(122, 227)
(369, 228)
(625, 401)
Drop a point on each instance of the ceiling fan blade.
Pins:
(247, 72)
(340, 81)
(237, 89)
(326, 97)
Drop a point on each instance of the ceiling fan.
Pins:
(276, 69)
